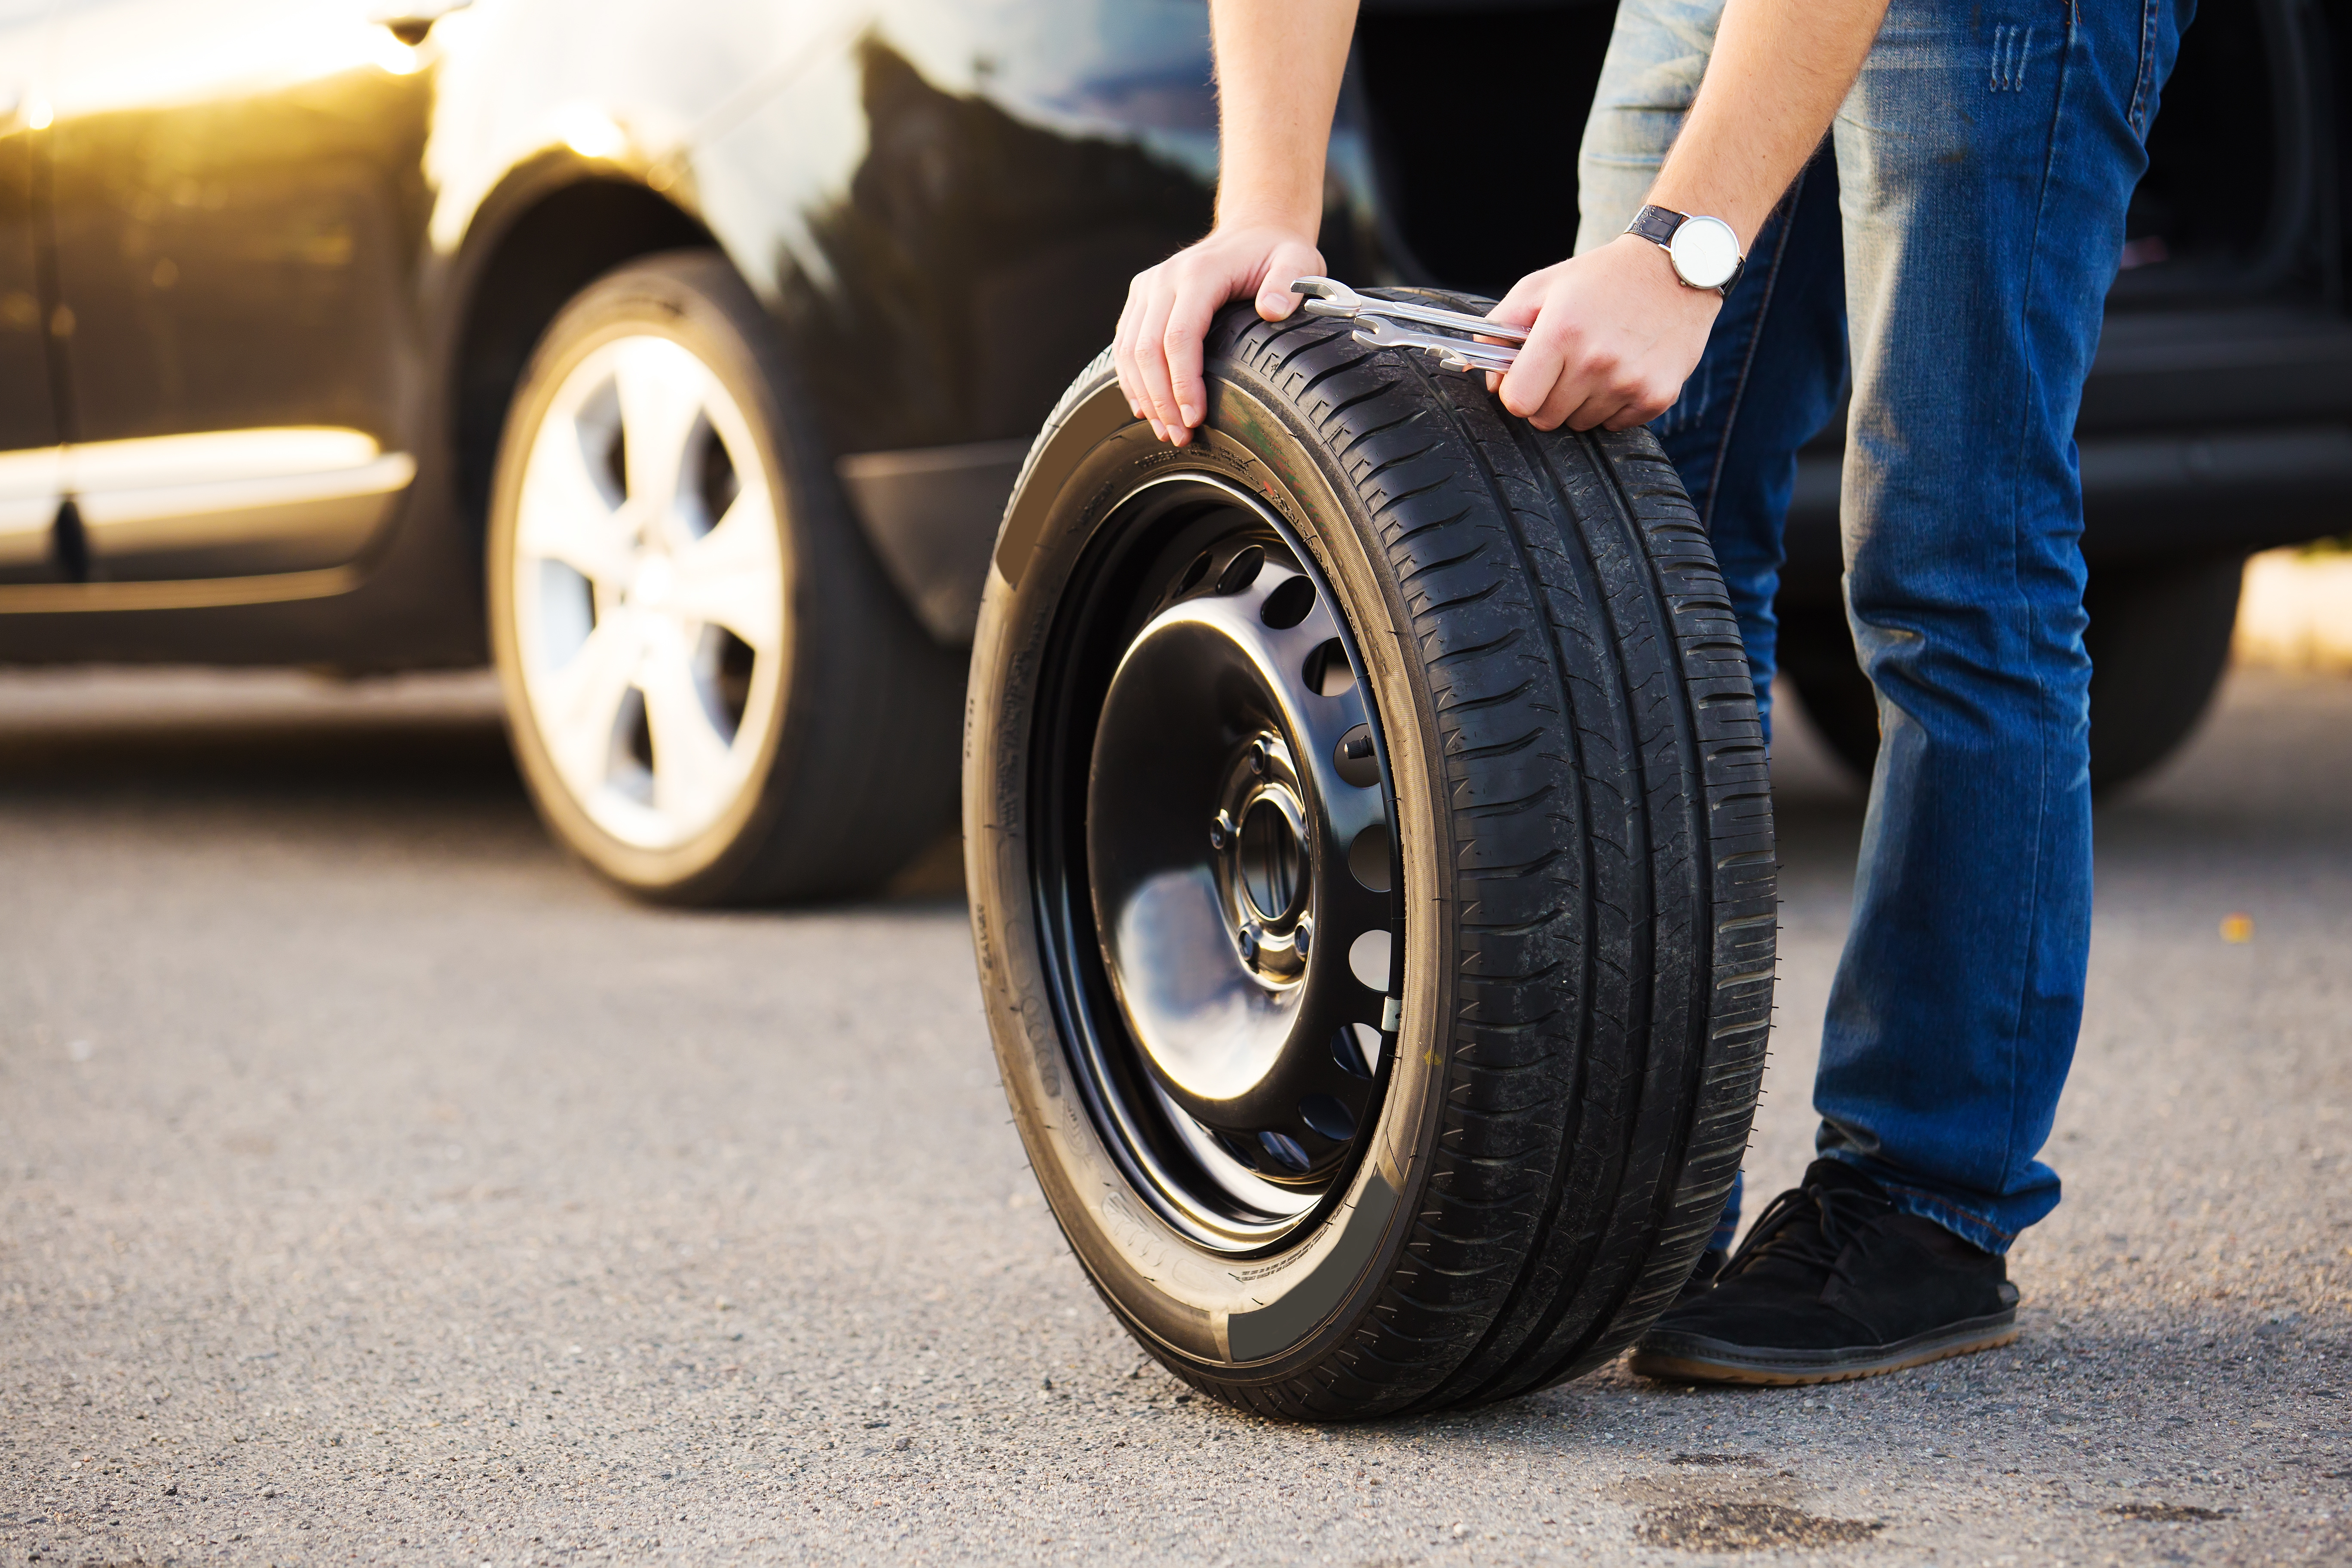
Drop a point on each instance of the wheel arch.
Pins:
(548, 232)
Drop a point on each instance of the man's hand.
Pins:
(1168, 308)
(1615, 331)
(1278, 69)
(1613, 336)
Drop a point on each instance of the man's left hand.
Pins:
(1613, 336)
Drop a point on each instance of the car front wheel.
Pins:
(714, 695)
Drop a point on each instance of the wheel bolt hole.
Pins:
(1288, 603)
(1347, 1049)
(1241, 571)
(1328, 1116)
(1368, 858)
(1283, 1150)
(1328, 674)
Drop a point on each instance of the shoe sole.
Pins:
(1693, 1358)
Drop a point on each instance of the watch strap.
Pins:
(1657, 225)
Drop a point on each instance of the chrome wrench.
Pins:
(1380, 323)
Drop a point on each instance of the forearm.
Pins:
(1278, 68)
(1779, 71)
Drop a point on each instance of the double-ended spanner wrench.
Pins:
(1383, 323)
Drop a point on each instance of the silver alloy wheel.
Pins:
(648, 592)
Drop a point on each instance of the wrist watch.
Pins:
(1705, 251)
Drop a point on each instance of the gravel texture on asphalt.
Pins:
(374, 1187)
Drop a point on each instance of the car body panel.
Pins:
(939, 202)
(236, 200)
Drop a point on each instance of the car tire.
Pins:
(714, 695)
(1465, 703)
(2159, 641)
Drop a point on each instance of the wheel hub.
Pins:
(1265, 861)
(650, 584)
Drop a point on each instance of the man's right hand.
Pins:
(1168, 308)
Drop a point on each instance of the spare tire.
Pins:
(1371, 870)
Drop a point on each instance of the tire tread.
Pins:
(1566, 607)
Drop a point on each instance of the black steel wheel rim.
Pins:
(1217, 863)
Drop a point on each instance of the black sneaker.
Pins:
(1835, 1283)
(1704, 1276)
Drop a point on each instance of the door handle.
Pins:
(410, 22)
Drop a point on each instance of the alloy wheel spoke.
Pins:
(564, 515)
(580, 704)
(732, 576)
(691, 758)
(661, 388)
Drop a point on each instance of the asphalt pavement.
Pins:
(376, 1187)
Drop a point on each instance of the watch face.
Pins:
(1706, 252)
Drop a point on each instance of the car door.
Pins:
(29, 460)
(239, 204)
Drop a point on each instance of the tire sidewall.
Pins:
(1176, 1295)
(657, 298)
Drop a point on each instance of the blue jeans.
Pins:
(1962, 225)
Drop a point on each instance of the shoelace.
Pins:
(1843, 1210)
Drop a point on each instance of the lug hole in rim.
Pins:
(1368, 858)
(1241, 570)
(1347, 1049)
(1283, 1150)
(1328, 674)
(1353, 760)
(1288, 604)
(1328, 1116)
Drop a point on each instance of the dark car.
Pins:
(679, 359)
